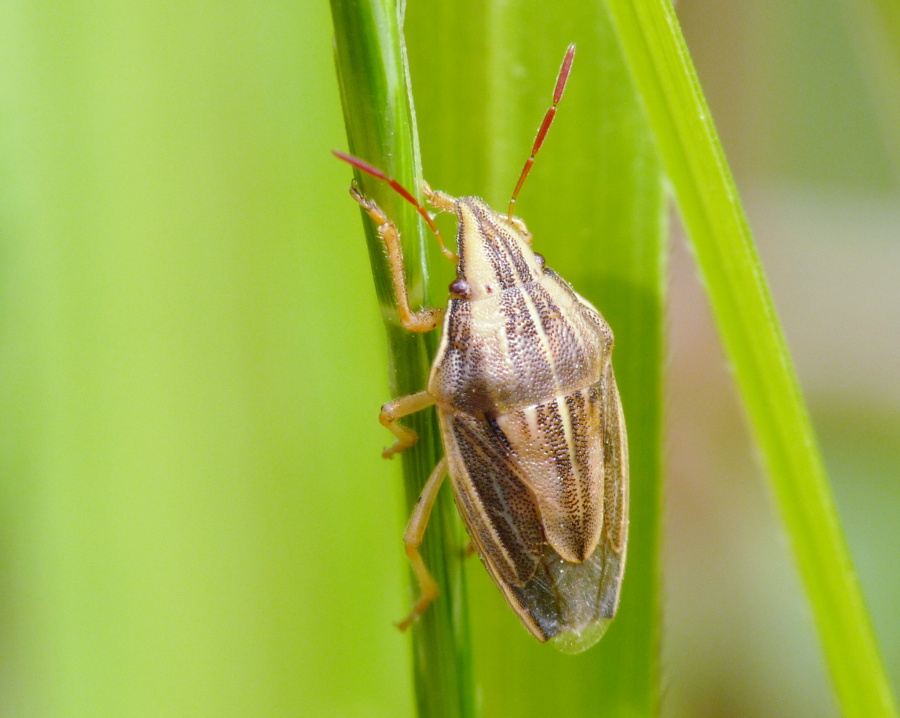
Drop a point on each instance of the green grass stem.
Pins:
(379, 116)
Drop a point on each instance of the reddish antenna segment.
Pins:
(402, 191)
(545, 125)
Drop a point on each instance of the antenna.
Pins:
(545, 125)
(402, 191)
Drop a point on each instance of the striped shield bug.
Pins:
(529, 415)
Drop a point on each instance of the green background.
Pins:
(193, 516)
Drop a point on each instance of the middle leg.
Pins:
(396, 409)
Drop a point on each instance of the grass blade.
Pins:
(752, 336)
(380, 128)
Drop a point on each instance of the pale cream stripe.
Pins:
(574, 300)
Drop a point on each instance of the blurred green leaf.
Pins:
(876, 31)
(752, 336)
(192, 511)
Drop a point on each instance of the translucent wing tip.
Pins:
(577, 641)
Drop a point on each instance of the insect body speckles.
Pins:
(530, 419)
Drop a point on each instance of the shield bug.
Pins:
(529, 414)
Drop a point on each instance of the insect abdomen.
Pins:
(544, 499)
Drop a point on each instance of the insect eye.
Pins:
(459, 288)
(539, 258)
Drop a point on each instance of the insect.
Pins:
(529, 415)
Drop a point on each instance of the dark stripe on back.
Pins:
(564, 341)
(527, 352)
(505, 251)
(499, 263)
(509, 506)
(581, 410)
(554, 434)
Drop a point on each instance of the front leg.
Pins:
(425, 319)
(396, 409)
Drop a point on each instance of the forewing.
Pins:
(615, 462)
(496, 506)
(573, 603)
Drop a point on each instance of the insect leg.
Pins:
(393, 410)
(364, 166)
(415, 532)
(425, 319)
(437, 199)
